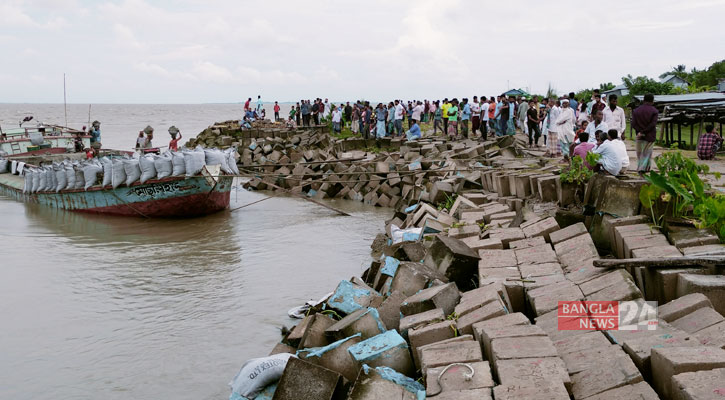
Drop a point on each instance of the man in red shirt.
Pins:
(644, 122)
(709, 143)
(276, 111)
(246, 105)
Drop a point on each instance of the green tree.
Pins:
(710, 76)
(679, 71)
(643, 85)
(603, 87)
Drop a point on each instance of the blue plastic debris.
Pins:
(311, 193)
(253, 146)
(411, 237)
(389, 374)
(267, 393)
(319, 351)
(390, 267)
(374, 347)
(412, 208)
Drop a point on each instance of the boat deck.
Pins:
(14, 181)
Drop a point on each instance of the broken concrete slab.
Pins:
(389, 311)
(367, 322)
(638, 391)
(541, 254)
(712, 286)
(384, 383)
(334, 357)
(698, 320)
(682, 306)
(494, 309)
(567, 233)
(424, 318)
(542, 228)
(411, 277)
(349, 298)
(454, 259)
(388, 349)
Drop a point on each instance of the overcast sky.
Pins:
(195, 51)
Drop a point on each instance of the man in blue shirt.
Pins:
(572, 102)
(497, 116)
(413, 132)
(465, 116)
(95, 133)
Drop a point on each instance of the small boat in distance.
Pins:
(42, 139)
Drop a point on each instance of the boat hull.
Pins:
(174, 197)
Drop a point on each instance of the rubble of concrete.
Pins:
(465, 302)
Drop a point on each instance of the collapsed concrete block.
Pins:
(533, 282)
(587, 340)
(388, 349)
(656, 251)
(536, 371)
(548, 188)
(541, 254)
(616, 277)
(668, 362)
(621, 371)
(490, 310)
(640, 349)
(690, 237)
(367, 322)
(431, 333)
(334, 357)
(638, 391)
(483, 244)
(549, 322)
(621, 292)
(314, 335)
(585, 359)
(444, 297)
(530, 242)
(465, 231)
(467, 351)
(454, 378)
(506, 235)
(497, 258)
(712, 286)
(349, 298)
(710, 249)
(536, 270)
(713, 335)
(698, 320)
(305, 380)
(577, 243)
(699, 385)
(389, 311)
(475, 299)
(424, 318)
(682, 306)
(280, 348)
(567, 233)
(550, 390)
(411, 277)
(487, 274)
(384, 383)
(488, 335)
(638, 242)
(499, 322)
(298, 331)
(546, 298)
(542, 228)
(509, 348)
(454, 259)
(661, 284)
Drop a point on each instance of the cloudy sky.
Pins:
(193, 51)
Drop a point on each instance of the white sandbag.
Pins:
(119, 173)
(43, 180)
(80, 178)
(232, 160)
(70, 177)
(51, 179)
(177, 160)
(28, 175)
(164, 166)
(133, 171)
(13, 167)
(148, 170)
(107, 171)
(4, 165)
(257, 373)
(60, 178)
(194, 161)
(217, 157)
(90, 174)
(36, 180)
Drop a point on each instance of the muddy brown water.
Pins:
(126, 308)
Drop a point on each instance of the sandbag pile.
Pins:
(117, 171)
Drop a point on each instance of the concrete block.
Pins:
(494, 309)
(661, 284)
(367, 322)
(537, 270)
(488, 335)
(454, 259)
(471, 229)
(529, 242)
(623, 231)
(522, 186)
(348, 298)
(388, 349)
(472, 394)
(587, 340)
(541, 254)
(454, 378)
(389, 311)
(638, 391)
(548, 188)
(712, 286)
(607, 241)
(499, 322)
(537, 371)
(546, 298)
(431, 333)
(549, 322)
(619, 372)
(534, 282)
(577, 243)
(640, 349)
(483, 244)
(576, 259)
(531, 391)
(298, 331)
(567, 233)
(668, 362)
(509, 348)
(506, 235)
(621, 292)
(305, 380)
(713, 335)
(656, 251)
(698, 320)
(497, 258)
(584, 272)
(334, 357)
(699, 385)
(586, 359)
(459, 352)
(542, 228)
(444, 297)
(485, 274)
(420, 319)
(476, 298)
(503, 186)
(712, 249)
(616, 277)
(682, 306)
(384, 383)
(411, 277)
(638, 242)
(314, 335)
(280, 348)
(494, 209)
(693, 238)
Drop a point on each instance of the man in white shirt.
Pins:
(597, 124)
(614, 116)
(417, 111)
(612, 152)
(399, 110)
(565, 127)
(475, 116)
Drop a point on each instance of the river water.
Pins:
(125, 308)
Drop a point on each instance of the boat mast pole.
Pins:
(65, 105)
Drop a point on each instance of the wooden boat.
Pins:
(171, 197)
(43, 139)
